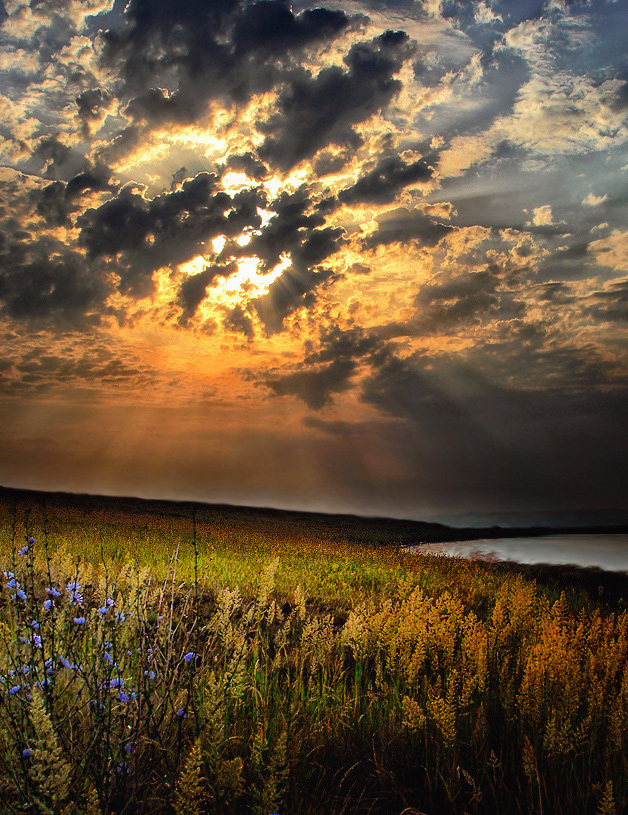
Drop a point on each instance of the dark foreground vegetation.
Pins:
(159, 664)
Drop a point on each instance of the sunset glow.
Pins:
(365, 256)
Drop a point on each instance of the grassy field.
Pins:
(215, 663)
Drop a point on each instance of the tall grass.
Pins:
(227, 674)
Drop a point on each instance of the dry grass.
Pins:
(296, 676)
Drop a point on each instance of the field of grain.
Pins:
(161, 664)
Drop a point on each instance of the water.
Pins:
(608, 552)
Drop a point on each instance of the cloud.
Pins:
(402, 225)
(611, 303)
(470, 298)
(296, 287)
(594, 200)
(327, 371)
(225, 49)
(611, 251)
(43, 280)
(316, 111)
(382, 184)
(146, 234)
(239, 321)
(542, 216)
(193, 289)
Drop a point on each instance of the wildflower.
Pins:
(118, 682)
(150, 675)
(9, 575)
(48, 604)
(21, 552)
(35, 625)
(12, 582)
(26, 753)
(107, 656)
(25, 670)
(12, 691)
(127, 748)
(66, 663)
(120, 618)
(109, 603)
(74, 590)
(103, 610)
(123, 697)
(37, 641)
(53, 592)
(182, 714)
(189, 656)
(19, 593)
(79, 620)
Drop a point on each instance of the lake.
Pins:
(608, 551)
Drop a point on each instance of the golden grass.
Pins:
(298, 676)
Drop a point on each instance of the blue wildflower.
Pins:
(26, 753)
(12, 691)
(74, 590)
(118, 682)
(32, 540)
(189, 656)
(79, 620)
(12, 582)
(150, 675)
(103, 610)
(120, 617)
(21, 552)
(182, 714)
(127, 748)
(107, 656)
(53, 592)
(37, 641)
(48, 604)
(9, 575)
(35, 625)
(66, 663)
(123, 697)
(109, 602)
(19, 593)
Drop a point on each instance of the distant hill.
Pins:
(352, 528)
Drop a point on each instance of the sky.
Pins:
(367, 256)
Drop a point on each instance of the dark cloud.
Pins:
(296, 287)
(247, 163)
(316, 111)
(476, 297)
(239, 321)
(315, 387)
(381, 184)
(297, 229)
(43, 280)
(328, 162)
(402, 225)
(145, 234)
(224, 49)
(57, 201)
(611, 304)
(194, 288)
(328, 370)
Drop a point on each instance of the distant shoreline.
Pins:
(358, 529)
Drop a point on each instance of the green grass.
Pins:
(322, 676)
